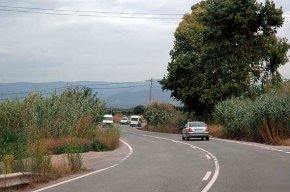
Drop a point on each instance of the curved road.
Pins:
(165, 163)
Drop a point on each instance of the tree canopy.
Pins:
(139, 109)
(222, 49)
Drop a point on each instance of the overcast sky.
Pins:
(42, 48)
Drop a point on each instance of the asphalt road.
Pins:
(164, 163)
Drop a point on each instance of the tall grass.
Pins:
(266, 119)
(108, 137)
(55, 117)
(26, 124)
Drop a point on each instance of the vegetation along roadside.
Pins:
(33, 129)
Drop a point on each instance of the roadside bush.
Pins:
(234, 114)
(40, 162)
(12, 143)
(271, 118)
(98, 146)
(74, 161)
(8, 163)
(33, 129)
(72, 112)
(157, 113)
(107, 138)
(74, 157)
(266, 119)
(164, 118)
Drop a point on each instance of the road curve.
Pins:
(165, 163)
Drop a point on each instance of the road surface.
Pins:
(164, 163)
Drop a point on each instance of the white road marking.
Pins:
(216, 163)
(207, 175)
(288, 152)
(207, 156)
(94, 172)
(249, 144)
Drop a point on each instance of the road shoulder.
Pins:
(94, 162)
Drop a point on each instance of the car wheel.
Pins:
(207, 138)
(187, 138)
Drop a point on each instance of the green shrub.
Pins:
(157, 113)
(12, 143)
(98, 146)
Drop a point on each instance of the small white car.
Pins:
(124, 120)
(135, 121)
(196, 129)
(108, 119)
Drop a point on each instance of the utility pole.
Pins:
(150, 92)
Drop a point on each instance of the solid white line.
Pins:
(94, 172)
(249, 144)
(207, 156)
(288, 152)
(207, 175)
(193, 147)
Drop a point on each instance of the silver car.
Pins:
(124, 121)
(195, 129)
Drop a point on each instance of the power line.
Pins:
(82, 86)
(90, 15)
(87, 11)
(27, 92)
(156, 86)
(112, 83)
(124, 87)
(94, 88)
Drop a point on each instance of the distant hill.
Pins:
(117, 94)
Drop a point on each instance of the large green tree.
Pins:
(222, 48)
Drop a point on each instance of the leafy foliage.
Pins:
(222, 49)
(164, 118)
(157, 113)
(138, 110)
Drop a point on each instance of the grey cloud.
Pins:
(42, 48)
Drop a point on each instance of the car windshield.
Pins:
(108, 118)
(197, 124)
(134, 119)
(124, 118)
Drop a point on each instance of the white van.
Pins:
(135, 121)
(108, 119)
